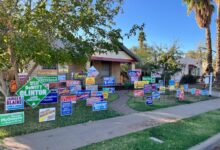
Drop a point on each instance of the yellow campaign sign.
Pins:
(105, 95)
(140, 84)
(90, 80)
(172, 88)
(182, 88)
(176, 84)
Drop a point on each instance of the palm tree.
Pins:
(218, 43)
(203, 12)
(141, 39)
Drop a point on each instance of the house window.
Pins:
(106, 66)
(52, 67)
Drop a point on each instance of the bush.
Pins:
(188, 79)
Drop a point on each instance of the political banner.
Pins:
(197, 92)
(63, 68)
(61, 77)
(109, 90)
(92, 72)
(51, 98)
(14, 103)
(22, 78)
(70, 83)
(55, 85)
(105, 95)
(33, 92)
(149, 100)
(138, 93)
(176, 84)
(171, 82)
(47, 79)
(193, 91)
(96, 93)
(63, 91)
(153, 80)
(182, 96)
(153, 87)
(156, 74)
(90, 101)
(204, 92)
(178, 92)
(171, 87)
(140, 84)
(146, 78)
(75, 88)
(133, 79)
(162, 89)
(11, 118)
(161, 82)
(109, 81)
(80, 76)
(147, 88)
(47, 72)
(186, 87)
(90, 80)
(47, 114)
(67, 98)
(92, 87)
(98, 106)
(155, 95)
(66, 108)
(83, 94)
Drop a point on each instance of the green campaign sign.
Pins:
(33, 92)
(146, 78)
(47, 79)
(153, 80)
(11, 118)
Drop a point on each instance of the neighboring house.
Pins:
(189, 66)
(108, 64)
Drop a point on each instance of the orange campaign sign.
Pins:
(90, 80)
(13, 86)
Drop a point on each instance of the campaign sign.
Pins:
(90, 101)
(105, 95)
(47, 79)
(109, 81)
(181, 96)
(171, 87)
(149, 100)
(72, 82)
(79, 75)
(178, 92)
(75, 88)
(98, 106)
(186, 87)
(162, 89)
(22, 78)
(51, 98)
(83, 94)
(204, 92)
(47, 114)
(138, 93)
(14, 103)
(161, 82)
(153, 80)
(134, 73)
(66, 108)
(92, 72)
(63, 91)
(133, 79)
(96, 93)
(140, 84)
(154, 87)
(109, 90)
(197, 92)
(147, 88)
(67, 98)
(193, 91)
(155, 95)
(11, 118)
(156, 74)
(61, 77)
(146, 78)
(171, 82)
(92, 87)
(90, 80)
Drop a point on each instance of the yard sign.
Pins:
(11, 118)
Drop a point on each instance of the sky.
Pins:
(165, 21)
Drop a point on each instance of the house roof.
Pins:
(130, 53)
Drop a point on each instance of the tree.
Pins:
(141, 39)
(203, 12)
(217, 79)
(50, 32)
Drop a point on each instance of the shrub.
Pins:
(190, 79)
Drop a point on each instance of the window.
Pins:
(106, 66)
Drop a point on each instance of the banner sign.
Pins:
(63, 68)
(138, 93)
(140, 84)
(47, 114)
(75, 88)
(171, 82)
(92, 72)
(22, 78)
(63, 91)
(68, 98)
(146, 78)
(90, 80)
(33, 92)
(47, 72)
(14, 103)
(109, 90)
(186, 87)
(57, 85)
(155, 95)
(153, 80)
(61, 77)
(149, 100)
(66, 108)
(181, 96)
(162, 89)
(193, 91)
(156, 74)
(176, 84)
(80, 76)
(105, 95)
(96, 93)
(98, 106)
(133, 79)
(147, 88)
(197, 92)
(47, 79)
(171, 87)
(11, 118)
(153, 87)
(90, 101)
(134, 73)
(109, 81)
(83, 94)
(70, 83)
(51, 98)
(161, 82)
(92, 87)
(204, 92)
(178, 92)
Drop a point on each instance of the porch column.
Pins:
(132, 66)
(88, 63)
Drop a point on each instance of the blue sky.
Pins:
(165, 21)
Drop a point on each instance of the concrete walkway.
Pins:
(120, 105)
(68, 138)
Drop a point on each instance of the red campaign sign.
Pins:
(68, 98)
(138, 93)
(72, 82)
(197, 92)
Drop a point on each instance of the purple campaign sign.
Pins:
(147, 88)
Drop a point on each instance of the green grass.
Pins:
(113, 97)
(166, 100)
(176, 136)
(81, 114)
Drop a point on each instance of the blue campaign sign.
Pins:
(149, 100)
(204, 92)
(61, 77)
(51, 98)
(186, 87)
(103, 105)
(161, 82)
(66, 108)
(83, 94)
(171, 82)
(155, 95)
(193, 91)
(178, 92)
(109, 81)
(14, 103)
(75, 88)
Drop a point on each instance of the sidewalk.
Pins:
(68, 138)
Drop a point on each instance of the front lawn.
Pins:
(176, 136)
(81, 114)
(167, 100)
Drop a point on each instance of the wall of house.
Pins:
(98, 66)
(116, 71)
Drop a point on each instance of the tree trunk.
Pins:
(209, 68)
(31, 71)
(217, 79)
(3, 87)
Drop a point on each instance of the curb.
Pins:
(209, 144)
